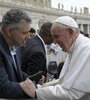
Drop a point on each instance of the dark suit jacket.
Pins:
(33, 56)
(9, 76)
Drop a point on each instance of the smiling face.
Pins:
(62, 35)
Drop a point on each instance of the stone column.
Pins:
(81, 27)
(36, 26)
(88, 29)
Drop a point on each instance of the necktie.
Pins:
(14, 60)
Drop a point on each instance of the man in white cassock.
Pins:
(74, 80)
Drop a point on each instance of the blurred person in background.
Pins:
(34, 51)
(32, 32)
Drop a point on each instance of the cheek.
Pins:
(67, 40)
(22, 36)
(59, 39)
(19, 38)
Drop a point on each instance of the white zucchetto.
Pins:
(66, 20)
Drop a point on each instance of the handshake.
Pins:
(29, 87)
(36, 77)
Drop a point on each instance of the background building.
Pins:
(41, 11)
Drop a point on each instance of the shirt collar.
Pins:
(43, 43)
(13, 50)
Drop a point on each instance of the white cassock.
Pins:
(74, 81)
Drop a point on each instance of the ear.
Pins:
(9, 31)
(70, 31)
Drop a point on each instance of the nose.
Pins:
(27, 36)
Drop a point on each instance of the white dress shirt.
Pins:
(13, 53)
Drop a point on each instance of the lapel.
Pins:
(7, 53)
(18, 62)
(40, 41)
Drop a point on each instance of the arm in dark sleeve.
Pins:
(37, 62)
(25, 76)
(9, 89)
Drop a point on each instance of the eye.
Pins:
(24, 33)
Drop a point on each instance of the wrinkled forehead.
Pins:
(55, 27)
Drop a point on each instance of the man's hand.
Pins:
(28, 87)
(42, 80)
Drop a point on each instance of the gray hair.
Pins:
(14, 17)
